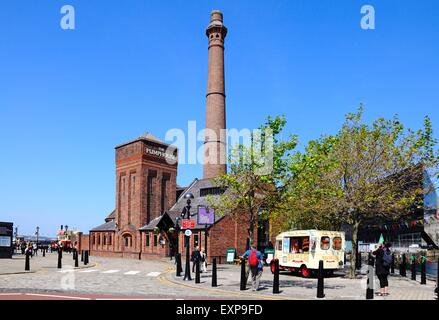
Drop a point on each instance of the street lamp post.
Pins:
(186, 214)
(37, 234)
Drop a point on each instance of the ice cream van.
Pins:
(301, 250)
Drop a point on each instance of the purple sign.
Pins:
(204, 216)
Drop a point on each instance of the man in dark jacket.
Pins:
(382, 267)
(196, 257)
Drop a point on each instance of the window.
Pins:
(211, 191)
(155, 240)
(110, 240)
(279, 245)
(196, 240)
(147, 240)
(324, 243)
(99, 239)
(93, 239)
(134, 186)
(336, 243)
(128, 241)
(105, 240)
(299, 245)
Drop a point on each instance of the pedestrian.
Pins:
(203, 260)
(196, 257)
(382, 266)
(256, 266)
(35, 249)
(23, 248)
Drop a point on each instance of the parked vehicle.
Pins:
(301, 250)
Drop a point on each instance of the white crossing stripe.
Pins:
(88, 271)
(111, 271)
(154, 274)
(132, 272)
(67, 270)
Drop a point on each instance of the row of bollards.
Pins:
(320, 274)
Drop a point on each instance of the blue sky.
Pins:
(68, 97)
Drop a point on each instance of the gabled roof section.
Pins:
(109, 226)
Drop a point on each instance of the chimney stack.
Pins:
(215, 157)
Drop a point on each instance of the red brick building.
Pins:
(148, 200)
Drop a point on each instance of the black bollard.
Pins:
(403, 267)
(214, 276)
(243, 278)
(197, 272)
(86, 257)
(76, 259)
(179, 268)
(392, 266)
(437, 280)
(74, 251)
(320, 281)
(27, 263)
(44, 252)
(59, 259)
(413, 268)
(276, 277)
(370, 286)
(82, 255)
(423, 271)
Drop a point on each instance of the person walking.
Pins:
(203, 260)
(256, 266)
(382, 266)
(35, 249)
(196, 257)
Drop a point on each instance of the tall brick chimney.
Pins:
(215, 137)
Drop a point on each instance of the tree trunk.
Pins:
(353, 257)
(251, 230)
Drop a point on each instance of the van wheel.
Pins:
(306, 273)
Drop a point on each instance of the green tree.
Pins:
(256, 171)
(363, 173)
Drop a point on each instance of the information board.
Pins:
(230, 255)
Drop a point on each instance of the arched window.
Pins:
(128, 241)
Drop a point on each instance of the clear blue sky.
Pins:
(68, 97)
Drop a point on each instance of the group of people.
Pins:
(199, 256)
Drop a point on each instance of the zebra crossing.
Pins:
(113, 271)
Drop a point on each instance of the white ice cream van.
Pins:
(301, 251)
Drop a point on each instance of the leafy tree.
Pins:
(365, 172)
(256, 171)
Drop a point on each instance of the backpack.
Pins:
(387, 258)
(253, 260)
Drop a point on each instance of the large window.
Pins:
(336, 243)
(155, 240)
(325, 243)
(147, 240)
(298, 245)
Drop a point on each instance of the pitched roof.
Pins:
(109, 226)
(146, 136)
(195, 187)
(111, 216)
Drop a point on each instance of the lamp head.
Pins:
(188, 196)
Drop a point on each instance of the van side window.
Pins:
(336, 243)
(324, 243)
(299, 245)
(279, 245)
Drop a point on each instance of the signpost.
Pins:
(230, 255)
(205, 216)
(6, 233)
(188, 224)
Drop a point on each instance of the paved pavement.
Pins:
(107, 278)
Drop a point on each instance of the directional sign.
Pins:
(188, 224)
(188, 233)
